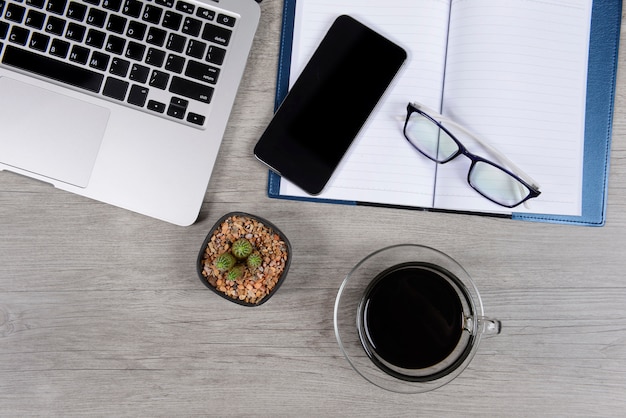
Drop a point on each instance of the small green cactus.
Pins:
(241, 254)
(225, 262)
(254, 260)
(242, 248)
(235, 272)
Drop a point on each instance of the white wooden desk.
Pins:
(101, 311)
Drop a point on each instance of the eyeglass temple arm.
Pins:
(496, 153)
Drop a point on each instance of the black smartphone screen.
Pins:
(329, 103)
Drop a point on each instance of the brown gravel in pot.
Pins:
(255, 285)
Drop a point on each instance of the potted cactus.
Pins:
(244, 258)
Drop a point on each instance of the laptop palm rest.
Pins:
(48, 133)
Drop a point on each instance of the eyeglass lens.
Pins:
(429, 139)
(496, 184)
(489, 180)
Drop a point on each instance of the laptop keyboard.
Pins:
(163, 56)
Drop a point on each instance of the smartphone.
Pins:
(329, 103)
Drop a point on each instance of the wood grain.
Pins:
(101, 311)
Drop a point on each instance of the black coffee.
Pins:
(412, 317)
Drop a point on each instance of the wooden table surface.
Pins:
(101, 311)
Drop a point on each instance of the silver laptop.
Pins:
(123, 101)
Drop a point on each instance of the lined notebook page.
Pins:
(504, 80)
(381, 167)
(516, 76)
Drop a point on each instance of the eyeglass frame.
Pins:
(523, 178)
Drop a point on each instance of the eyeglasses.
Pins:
(506, 187)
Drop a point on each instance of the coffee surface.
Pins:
(413, 317)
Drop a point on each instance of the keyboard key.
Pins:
(115, 44)
(132, 8)
(94, 2)
(119, 67)
(166, 3)
(114, 5)
(39, 42)
(159, 79)
(55, 25)
(35, 19)
(95, 38)
(138, 95)
(202, 72)
(172, 20)
(79, 54)
(59, 48)
(115, 88)
(75, 32)
(177, 101)
(99, 61)
(4, 30)
(195, 118)
(76, 11)
(175, 63)
(135, 51)
(191, 89)
(139, 73)
(216, 34)
(152, 14)
(205, 13)
(177, 108)
(195, 48)
(19, 35)
(116, 24)
(156, 36)
(96, 17)
(36, 3)
(155, 57)
(176, 42)
(185, 7)
(215, 55)
(15, 12)
(56, 6)
(226, 20)
(136, 30)
(192, 26)
(52, 68)
(156, 106)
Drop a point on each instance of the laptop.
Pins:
(122, 101)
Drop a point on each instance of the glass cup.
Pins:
(409, 319)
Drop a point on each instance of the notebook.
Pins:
(122, 101)
(535, 79)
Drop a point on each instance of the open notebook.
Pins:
(534, 78)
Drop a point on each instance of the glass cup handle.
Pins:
(489, 326)
(486, 326)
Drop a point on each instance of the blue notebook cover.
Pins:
(601, 78)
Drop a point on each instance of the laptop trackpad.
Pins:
(48, 133)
